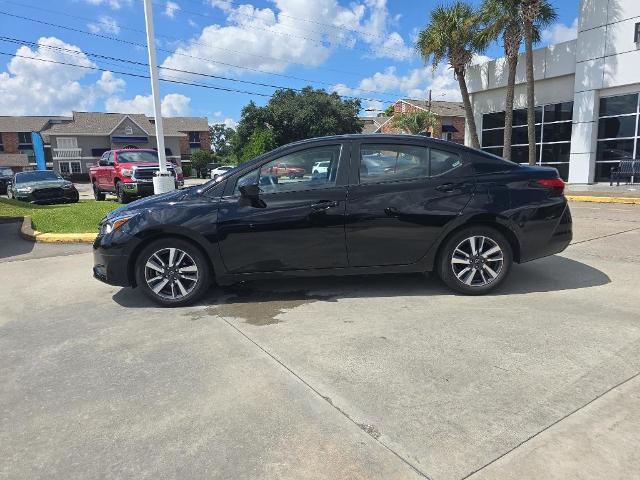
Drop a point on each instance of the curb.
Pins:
(592, 199)
(27, 232)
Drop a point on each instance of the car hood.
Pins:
(44, 184)
(147, 203)
(142, 164)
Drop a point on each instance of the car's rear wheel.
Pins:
(475, 260)
(97, 194)
(172, 272)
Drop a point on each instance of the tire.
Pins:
(485, 270)
(97, 194)
(120, 195)
(178, 288)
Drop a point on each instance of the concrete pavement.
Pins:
(365, 377)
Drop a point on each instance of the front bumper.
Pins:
(66, 196)
(111, 261)
(143, 188)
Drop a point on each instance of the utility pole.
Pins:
(163, 181)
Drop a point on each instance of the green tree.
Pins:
(534, 12)
(221, 136)
(199, 160)
(453, 33)
(260, 141)
(503, 19)
(297, 115)
(415, 122)
(388, 112)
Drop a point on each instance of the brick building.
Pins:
(74, 143)
(450, 125)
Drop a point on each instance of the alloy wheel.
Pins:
(171, 273)
(477, 261)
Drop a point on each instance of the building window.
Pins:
(1, 144)
(194, 141)
(553, 135)
(618, 133)
(69, 168)
(128, 130)
(24, 138)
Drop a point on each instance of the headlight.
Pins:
(24, 189)
(127, 172)
(115, 224)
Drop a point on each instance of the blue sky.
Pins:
(361, 48)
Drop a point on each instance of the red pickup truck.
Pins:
(284, 170)
(128, 173)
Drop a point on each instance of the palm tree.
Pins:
(535, 13)
(454, 33)
(415, 122)
(503, 18)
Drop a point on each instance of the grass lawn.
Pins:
(81, 217)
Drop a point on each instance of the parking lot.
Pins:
(386, 377)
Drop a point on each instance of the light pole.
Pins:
(163, 181)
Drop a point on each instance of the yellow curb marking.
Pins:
(64, 237)
(587, 198)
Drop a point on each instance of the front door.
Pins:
(405, 196)
(295, 223)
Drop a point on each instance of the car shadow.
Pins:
(12, 244)
(550, 274)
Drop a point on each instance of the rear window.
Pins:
(141, 156)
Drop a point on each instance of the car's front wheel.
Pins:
(475, 260)
(121, 196)
(172, 272)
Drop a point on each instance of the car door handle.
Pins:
(324, 205)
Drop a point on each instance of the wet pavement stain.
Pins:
(256, 307)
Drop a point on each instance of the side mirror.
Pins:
(250, 191)
(103, 163)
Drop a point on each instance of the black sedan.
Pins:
(42, 186)
(6, 177)
(385, 204)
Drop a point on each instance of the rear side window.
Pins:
(386, 163)
(443, 162)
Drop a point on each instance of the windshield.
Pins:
(37, 176)
(6, 171)
(140, 156)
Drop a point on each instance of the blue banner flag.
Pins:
(38, 150)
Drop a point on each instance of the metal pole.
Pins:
(161, 185)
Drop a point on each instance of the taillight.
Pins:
(555, 184)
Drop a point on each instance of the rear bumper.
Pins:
(548, 233)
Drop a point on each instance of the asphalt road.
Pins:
(389, 377)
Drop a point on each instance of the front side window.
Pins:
(387, 163)
(295, 172)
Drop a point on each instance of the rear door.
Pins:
(295, 224)
(403, 194)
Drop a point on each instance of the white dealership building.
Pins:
(587, 96)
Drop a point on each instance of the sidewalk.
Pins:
(603, 190)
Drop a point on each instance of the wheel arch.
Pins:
(482, 221)
(152, 236)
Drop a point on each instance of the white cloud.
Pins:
(173, 105)
(113, 4)
(560, 32)
(414, 84)
(105, 24)
(273, 38)
(171, 9)
(218, 117)
(32, 87)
